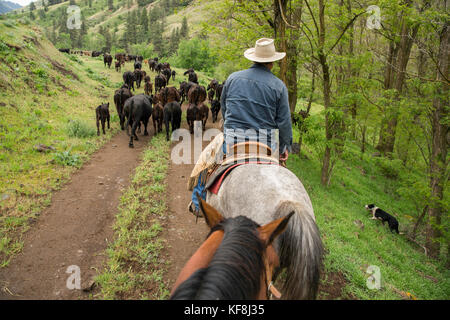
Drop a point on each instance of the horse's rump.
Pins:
(267, 192)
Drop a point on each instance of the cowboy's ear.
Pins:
(273, 229)
(212, 216)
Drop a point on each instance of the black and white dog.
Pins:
(382, 215)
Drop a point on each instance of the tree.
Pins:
(184, 32)
(111, 5)
(439, 137)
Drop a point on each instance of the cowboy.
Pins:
(254, 101)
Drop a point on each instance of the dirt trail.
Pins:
(75, 228)
(183, 235)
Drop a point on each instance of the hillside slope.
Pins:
(98, 16)
(7, 6)
(46, 98)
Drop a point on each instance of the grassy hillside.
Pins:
(98, 15)
(353, 241)
(46, 98)
(6, 6)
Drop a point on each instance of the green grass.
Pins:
(135, 267)
(358, 180)
(46, 98)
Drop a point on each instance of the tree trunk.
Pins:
(438, 159)
(280, 36)
(395, 79)
(326, 163)
(291, 75)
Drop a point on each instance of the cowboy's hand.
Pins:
(284, 156)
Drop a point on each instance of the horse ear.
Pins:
(270, 231)
(212, 216)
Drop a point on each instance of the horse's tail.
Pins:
(300, 251)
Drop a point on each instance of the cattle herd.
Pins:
(163, 105)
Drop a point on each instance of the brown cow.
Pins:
(148, 87)
(169, 94)
(157, 114)
(196, 94)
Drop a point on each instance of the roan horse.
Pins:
(236, 261)
(267, 192)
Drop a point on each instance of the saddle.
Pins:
(213, 166)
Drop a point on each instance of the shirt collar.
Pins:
(260, 66)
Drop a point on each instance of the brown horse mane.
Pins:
(236, 269)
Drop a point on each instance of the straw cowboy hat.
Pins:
(264, 51)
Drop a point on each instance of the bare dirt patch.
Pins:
(74, 229)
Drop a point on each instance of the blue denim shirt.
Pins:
(256, 99)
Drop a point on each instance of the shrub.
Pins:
(389, 168)
(80, 129)
(65, 158)
(195, 53)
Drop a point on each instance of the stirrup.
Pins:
(194, 211)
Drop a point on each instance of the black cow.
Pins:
(215, 108)
(152, 64)
(173, 75)
(138, 109)
(167, 73)
(219, 91)
(64, 50)
(102, 114)
(120, 97)
(107, 60)
(128, 79)
(131, 57)
(137, 65)
(184, 89)
(138, 76)
(96, 53)
(192, 76)
(159, 67)
(160, 82)
(172, 115)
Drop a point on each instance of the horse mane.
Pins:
(235, 270)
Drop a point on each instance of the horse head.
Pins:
(224, 268)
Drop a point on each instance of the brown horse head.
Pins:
(236, 261)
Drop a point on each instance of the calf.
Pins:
(158, 116)
(137, 65)
(167, 73)
(219, 89)
(215, 108)
(120, 97)
(172, 115)
(107, 59)
(128, 79)
(173, 75)
(138, 75)
(148, 87)
(203, 114)
(117, 65)
(139, 109)
(192, 76)
(102, 114)
(160, 82)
